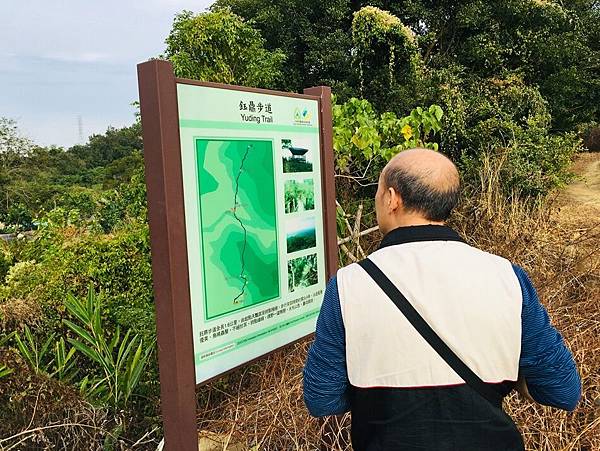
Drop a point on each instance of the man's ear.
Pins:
(394, 200)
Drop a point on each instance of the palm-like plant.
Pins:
(121, 358)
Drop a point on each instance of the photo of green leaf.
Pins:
(302, 272)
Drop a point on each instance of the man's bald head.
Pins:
(427, 182)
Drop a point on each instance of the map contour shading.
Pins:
(236, 183)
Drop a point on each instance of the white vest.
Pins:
(472, 299)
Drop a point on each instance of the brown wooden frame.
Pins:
(162, 156)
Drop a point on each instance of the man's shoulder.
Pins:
(459, 246)
(490, 255)
(346, 272)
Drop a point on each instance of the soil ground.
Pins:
(580, 200)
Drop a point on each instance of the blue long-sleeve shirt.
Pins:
(545, 362)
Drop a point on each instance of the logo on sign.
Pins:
(302, 116)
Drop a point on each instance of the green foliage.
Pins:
(64, 362)
(66, 259)
(104, 149)
(390, 66)
(12, 144)
(5, 263)
(536, 166)
(553, 45)
(36, 356)
(315, 38)
(5, 371)
(121, 358)
(112, 363)
(19, 216)
(126, 203)
(35, 180)
(122, 170)
(362, 139)
(590, 133)
(508, 117)
(57, 362)
(219, 46)
(70, 251)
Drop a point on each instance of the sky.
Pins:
(61, 60)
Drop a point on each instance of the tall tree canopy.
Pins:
(314, 36)
(221, 47)
(550, 44)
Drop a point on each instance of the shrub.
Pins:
(590, 134)
(119, 358)
(5, 261)
(506, 117)
(364, 141)
(390, 68)
(64, 259)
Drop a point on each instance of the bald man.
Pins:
(403, 392)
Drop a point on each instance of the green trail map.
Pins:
(239, 224)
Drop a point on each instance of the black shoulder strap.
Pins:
(429, 334)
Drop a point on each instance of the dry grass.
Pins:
(558, 244)
(40, 413)
(262, 405)
(16, 313)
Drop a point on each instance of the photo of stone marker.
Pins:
(296, 155)
(302, 272)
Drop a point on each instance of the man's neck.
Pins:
(413, 220)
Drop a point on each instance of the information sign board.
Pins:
(251, 166)
(241, 207)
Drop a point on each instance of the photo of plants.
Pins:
(299, 195)
(302, 272)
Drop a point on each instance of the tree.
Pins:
(13, 149)
(553, 45)
(315, 37)
(220, 46)
(35, 179)
(11, 141)
(386, 54)
(114, 144)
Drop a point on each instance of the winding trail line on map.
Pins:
(235, 205)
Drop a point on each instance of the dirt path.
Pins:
(579, 203)
(587, 189)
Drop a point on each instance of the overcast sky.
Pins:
(61, 59)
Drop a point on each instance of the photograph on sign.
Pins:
(251, 172)
(301, 234)
(302, 272)
(299, 195)
(296, 155)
